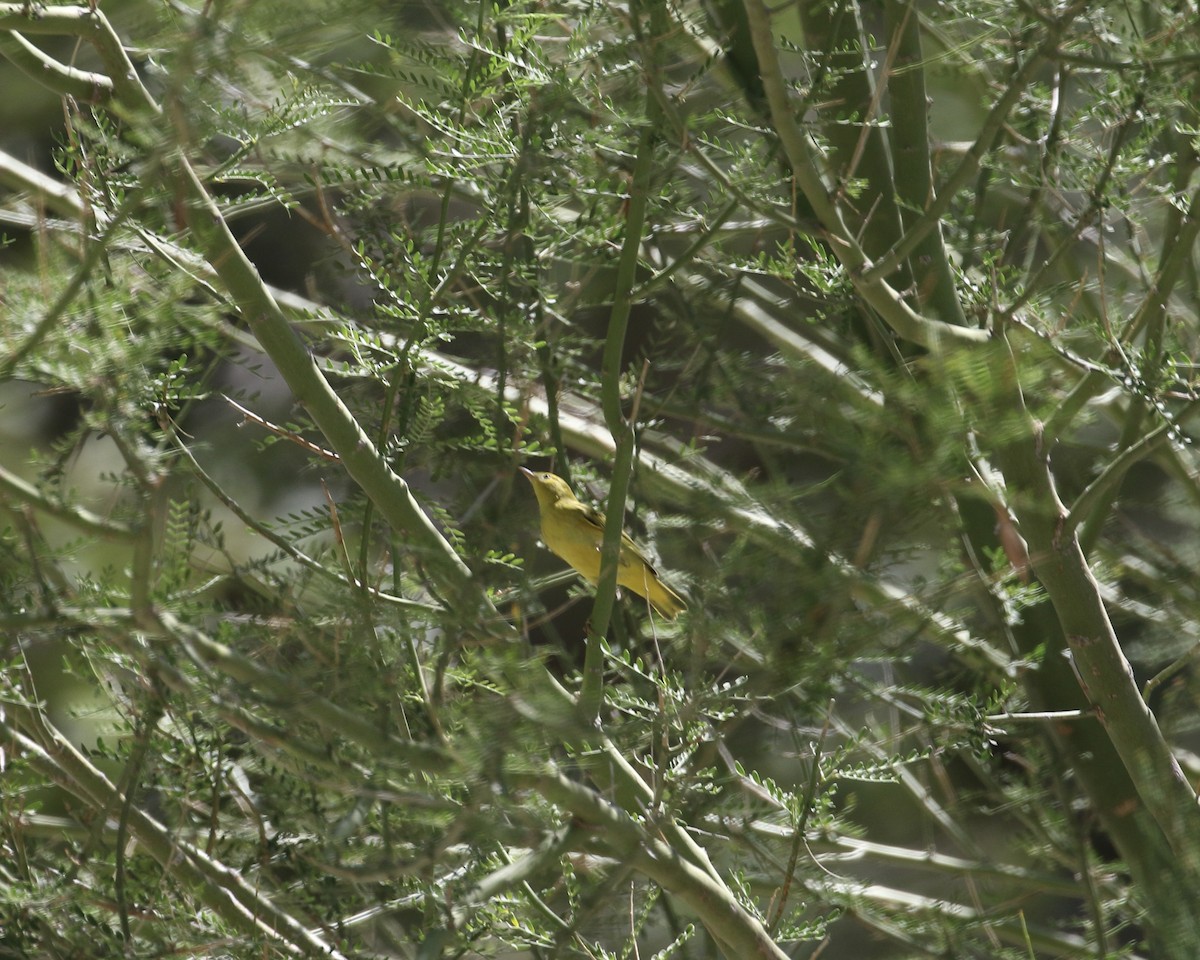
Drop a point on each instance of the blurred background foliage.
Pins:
(244, 708)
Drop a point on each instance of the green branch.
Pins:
(1100, 665)
(362, 460)
(77, 517)
(239, 903)
(805, 160)
(909, 134)
(622, 429)
(66, 81)
(740, 933)
(968, 167)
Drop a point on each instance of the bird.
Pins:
(575, 532)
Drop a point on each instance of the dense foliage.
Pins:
(875, 322)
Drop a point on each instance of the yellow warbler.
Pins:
(574, 531)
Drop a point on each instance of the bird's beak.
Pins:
(528, 473)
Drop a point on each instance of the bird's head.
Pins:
(548, 488)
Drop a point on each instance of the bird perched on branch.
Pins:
(575, 532)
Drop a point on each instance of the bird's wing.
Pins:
(628, 546)
(630, 551)
(590, 515)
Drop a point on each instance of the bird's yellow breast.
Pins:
(578, 543)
